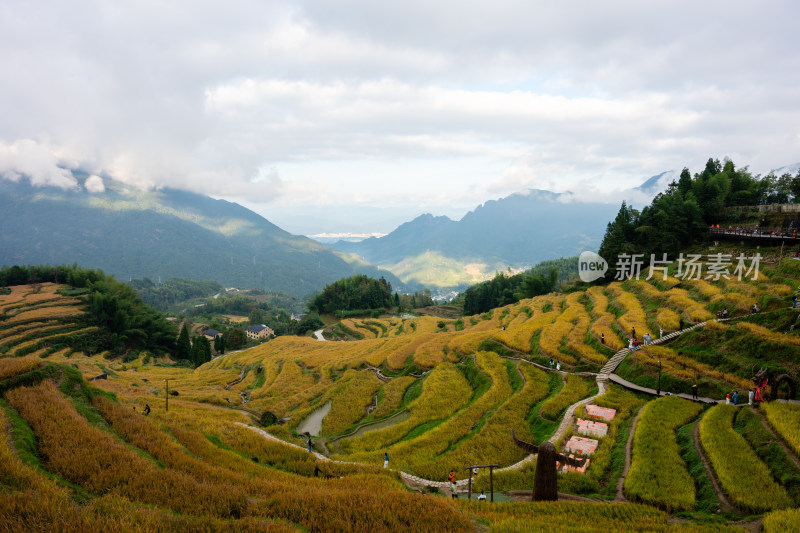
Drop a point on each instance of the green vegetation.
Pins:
(355, 292)
(503, 290)
(173, 291)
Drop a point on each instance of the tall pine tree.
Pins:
(183, 350)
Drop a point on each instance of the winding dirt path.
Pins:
(628, 457)
(724, 503)
(242, 375)
(777, 438)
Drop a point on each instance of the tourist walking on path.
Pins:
(453, 490)
(694, 391)
(602, 338)
(310, 445)
(558, 366)
(633, 332)
(794, 301)
(386, 460)
(750, 395)
(728, 399)
(735, 397)
(551, 363)
(680, 324)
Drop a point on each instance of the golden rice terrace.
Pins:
(434, 394)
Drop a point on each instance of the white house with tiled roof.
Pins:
(259, 331)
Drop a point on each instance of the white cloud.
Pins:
(403, 103)
(29, 158)
(94, 184)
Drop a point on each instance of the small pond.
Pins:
(313, 422)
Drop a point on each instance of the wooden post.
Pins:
(166, 394)
(491, 483)
(469, 486)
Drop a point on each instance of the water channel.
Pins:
(313, 422)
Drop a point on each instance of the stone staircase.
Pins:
(612, 364)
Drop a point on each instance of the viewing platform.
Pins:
(755, 234)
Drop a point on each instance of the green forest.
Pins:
(357, 292)
(504, 289)
(681, 215)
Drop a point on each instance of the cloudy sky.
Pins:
(334, 116)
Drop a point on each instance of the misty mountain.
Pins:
(168, 233)
(517, 231)
(657, 183)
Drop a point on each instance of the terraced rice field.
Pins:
(462, 388)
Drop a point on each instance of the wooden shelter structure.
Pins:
(545, 480)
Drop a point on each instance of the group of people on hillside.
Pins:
(733, 398)
(557, 365)
(633, 342)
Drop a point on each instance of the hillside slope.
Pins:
(168, 233)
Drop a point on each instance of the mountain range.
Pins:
(132, 233)
(165, 233)
(514, 232)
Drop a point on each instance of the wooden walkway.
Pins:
(755, 235)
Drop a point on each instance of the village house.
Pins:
(259, 331)
(211, 334)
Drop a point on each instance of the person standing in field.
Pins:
(694, 391)
(728, 399)
(602, 338)
(735, 397)
(310, 445)
(386, 460)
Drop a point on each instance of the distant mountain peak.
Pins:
(788, 169)
(657, 183)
